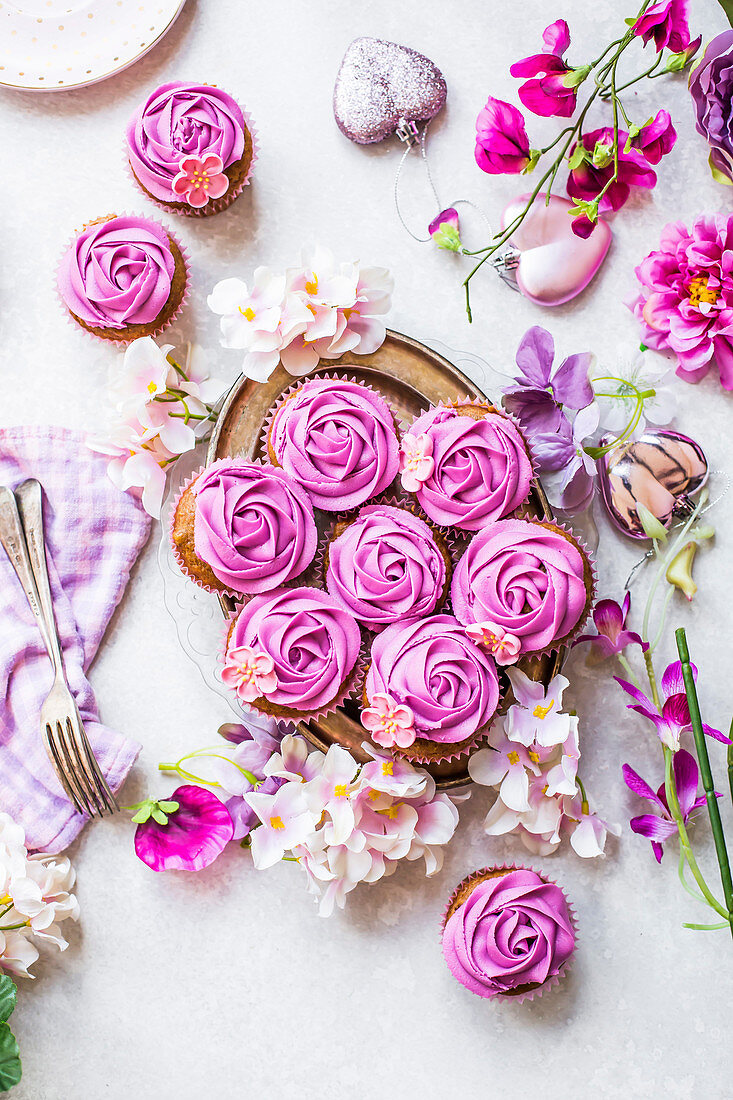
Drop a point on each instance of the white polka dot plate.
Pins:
(52, 45)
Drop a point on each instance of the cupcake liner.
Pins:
(539, 990)
(123, 341)
(213, 206)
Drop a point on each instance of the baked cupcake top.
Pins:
(293, 649)
(338, 439)
(507, 932)
(179, 121)
(527, 584)
(118, 272)
(466, 464)
(442, 685)
(386, 567)
(253, 525)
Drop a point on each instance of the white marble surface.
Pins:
(227, 982)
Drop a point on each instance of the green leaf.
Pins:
(727, 6)
(158, 815)
(583, 207)
(10, 1068)
(718, 176)
(8, 997)
(142, 815)
(534, 156)
(169, 807)
(653, 529)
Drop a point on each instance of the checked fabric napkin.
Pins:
(94, 533)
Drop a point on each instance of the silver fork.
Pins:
(21, 534)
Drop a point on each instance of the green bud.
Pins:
(602, 154)
(575, 77)
(653, 529)
(578, 156)
(534, 156)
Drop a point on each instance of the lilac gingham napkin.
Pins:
(93, 535)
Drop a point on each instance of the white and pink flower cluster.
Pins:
(532, 763)
(347, 823)
(35, 899)
(319, 310)
(159, 410)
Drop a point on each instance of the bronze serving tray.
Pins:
(412, 377)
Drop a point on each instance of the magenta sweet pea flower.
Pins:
(184, 833)
(657, 138)
(588, 179)
(660, 826)
(551, 89)
(609, 620)
(674, 719)
(665, 23)
(685, 304)
(502, 145)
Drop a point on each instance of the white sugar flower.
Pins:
(588, 832)
(536, 715)
(286, 819)
(637, 381)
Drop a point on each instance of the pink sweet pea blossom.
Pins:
(588, 179)
(502, 145)
(416, 461)
(610, 621)
(389, 723)
(665, 23)
(550, 91)
(200, 180)
(249, 673)
(657, 138)
(185, 833)
(445, 230)
(674, 719)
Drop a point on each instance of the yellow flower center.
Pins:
(542, 712)
(339, 790)
(513, 758)
(391, 811)
(152, 387)
(348, 312)
(311, 286)
(248, 313)
(276, 822)
(6, 900)
(388, 767)
(699, 291)
(534, 756)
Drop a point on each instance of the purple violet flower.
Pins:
(186, 838)
(674, 719)
(609, 620)
(660, 826)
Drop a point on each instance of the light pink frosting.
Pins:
(481, 468)
(338, 440)
(511, 931)
(432, 666)
(526, 578)
(386, 567)
(118, 273)
(253, 525)
(313, 642)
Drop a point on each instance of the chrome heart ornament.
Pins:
(548, 262)
(382, 87)
(660, 469)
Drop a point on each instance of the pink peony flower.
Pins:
(588, 179)
(248, 673)
(416, 461)
(551, 89)
(504, 646)
(502, 145)
(656, 138)
(685, 303)
(666, 24)
(388, 722)
(200, 180)
(185, 833)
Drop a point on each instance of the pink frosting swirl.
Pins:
(118, 273)
(386, 567)
(313, 642)
(253, 525)
(182, 120)
(481, 471)
(432, 666)
(338, 440)
(527, 578)
(511, 931)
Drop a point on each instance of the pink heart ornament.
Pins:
(553, 265)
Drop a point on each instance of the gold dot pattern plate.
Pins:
(52, 45)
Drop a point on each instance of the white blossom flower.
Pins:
(286, 822)
(633, 373)
(536, 716)
(588, 832)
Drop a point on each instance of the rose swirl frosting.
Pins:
(473, 471)
(432, 666)
(253, 525)
(118, 272)
(314, 645)
(512, 931)
(386, 567)
(179, 121)
(338, 440)
(525, 577)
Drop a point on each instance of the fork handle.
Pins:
(29, 499)
(13, 542)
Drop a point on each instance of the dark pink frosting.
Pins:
(433, 667)
(524, 577)
(338, 440)
(386, 567)
(482, 469)
(254, 525)
(509, 932)
(182, 120)
(313, 642)
(118, 273)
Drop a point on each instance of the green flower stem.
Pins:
(629, 83)
(652, 678)
(665, 606)
(666, 559)
(706, 927)
(584, 806)
(628, 670)
(13, 927)
(729, 761)
(706, 773)
(681, 872)
(184, 774)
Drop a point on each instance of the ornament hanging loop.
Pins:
(408, 132)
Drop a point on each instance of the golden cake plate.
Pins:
(411, 376)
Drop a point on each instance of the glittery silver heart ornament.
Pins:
(382, 88)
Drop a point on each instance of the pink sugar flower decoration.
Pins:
(390, 723)
(185, 833)
(416, 461)
(504, 646)
(200, 180)
(249, 673)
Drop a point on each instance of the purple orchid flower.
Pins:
(502, 145)
(551, 89)
(656, 139)
(661, 826)
(609, 620)
(674, 719)
(184, 833)
(665, 23)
